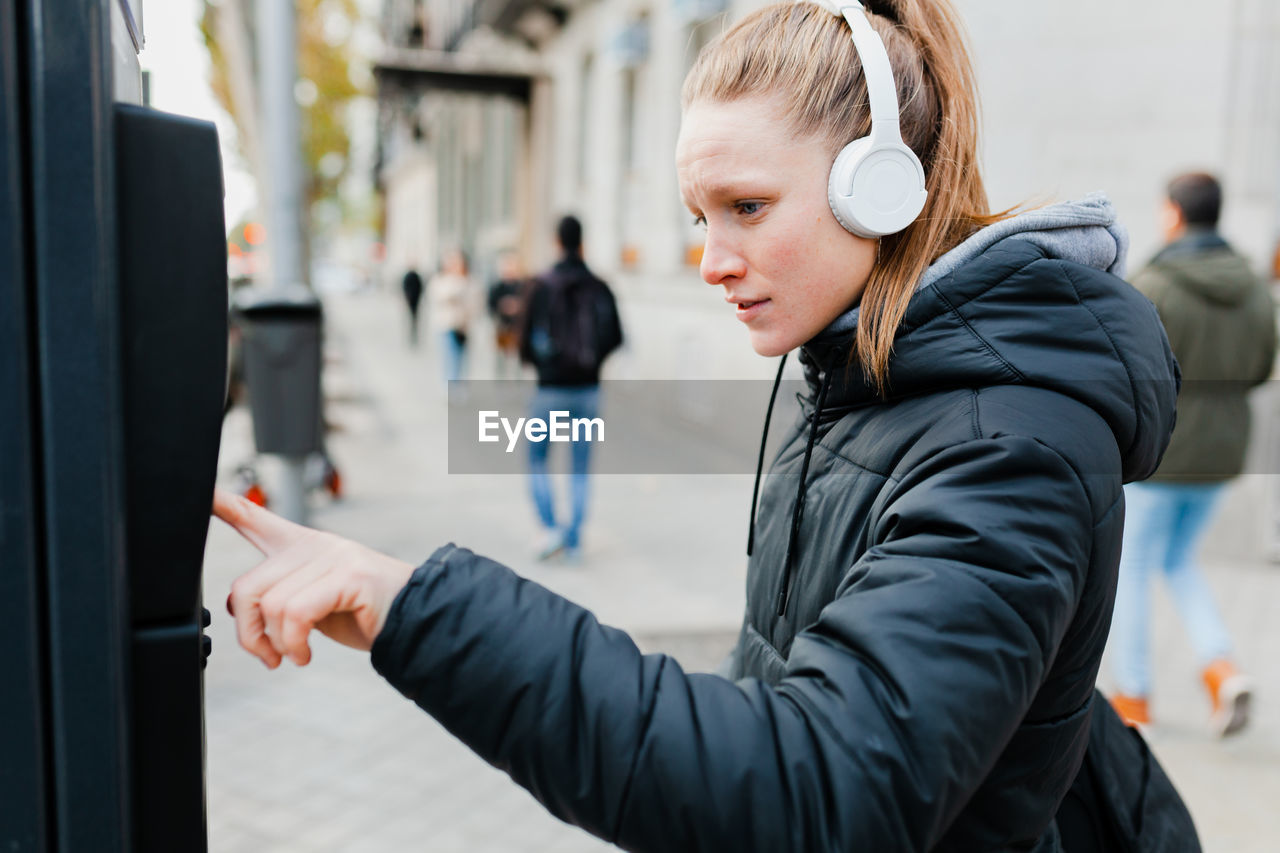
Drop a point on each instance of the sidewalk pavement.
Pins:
(330, 758)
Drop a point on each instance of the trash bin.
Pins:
(281, 341)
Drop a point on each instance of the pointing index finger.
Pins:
(267, 531)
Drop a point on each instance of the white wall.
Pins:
(1122, 96)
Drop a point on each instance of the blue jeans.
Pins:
(579, 403)
(452, 354)
(1163, 527)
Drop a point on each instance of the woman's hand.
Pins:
(309, 579)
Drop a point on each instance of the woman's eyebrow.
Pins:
(735, 188)
(722, 188)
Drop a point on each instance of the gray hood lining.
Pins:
(1085, 231)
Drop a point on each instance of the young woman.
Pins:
(449, 307)
(933, 561)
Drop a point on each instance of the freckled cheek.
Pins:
(783, 260)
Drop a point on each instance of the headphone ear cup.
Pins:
(840, 184)
(876, 190)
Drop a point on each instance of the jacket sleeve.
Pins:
(1267, 340)
(611, 338)
(895, 705)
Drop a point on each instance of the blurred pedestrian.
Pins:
(1221, 324)
(450, 297)
(506, 310)
(571, 327)
(933, 561)
(411, 286)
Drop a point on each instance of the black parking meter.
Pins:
(174, 364)
(112, 376)
(113, 308)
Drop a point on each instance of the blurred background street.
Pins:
(330, 758)
(430, 125)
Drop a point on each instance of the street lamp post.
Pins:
(277, 51)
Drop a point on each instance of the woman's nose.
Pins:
(720, 260)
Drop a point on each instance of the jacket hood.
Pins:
(1205, 264)
(1032, 300)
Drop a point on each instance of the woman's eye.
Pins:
(747, 208)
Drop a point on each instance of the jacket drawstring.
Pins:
(797, 513)
(764, 438)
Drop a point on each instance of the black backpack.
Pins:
(577, 328)
(1122, 801)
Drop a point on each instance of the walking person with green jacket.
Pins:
(1220, 320)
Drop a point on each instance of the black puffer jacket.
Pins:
(927, 682)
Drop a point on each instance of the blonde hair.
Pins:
(805, 55)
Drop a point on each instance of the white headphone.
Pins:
(876, 186)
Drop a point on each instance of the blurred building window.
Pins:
(584, 120)
(473, 193)
(499, 161)
(630, 50)
(491, 159)
(418, 26)
(448, 174)
(630, 46)
(508, 134)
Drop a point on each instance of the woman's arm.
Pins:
(895, 707)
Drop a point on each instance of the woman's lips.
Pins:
(749, 310)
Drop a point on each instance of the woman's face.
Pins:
(787, 266)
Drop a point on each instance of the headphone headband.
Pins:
(876, 68)
(877, 185)
(878, 72)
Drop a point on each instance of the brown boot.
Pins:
(1231, 693)
(1132, 709)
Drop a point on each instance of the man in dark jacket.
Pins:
(571, 327)
(1221, 325)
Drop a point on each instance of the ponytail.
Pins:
(803, 54)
